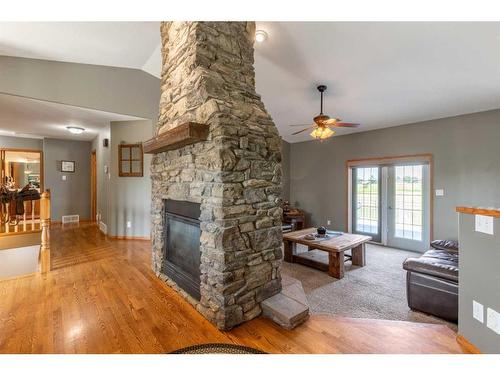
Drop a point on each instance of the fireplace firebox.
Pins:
(182, 245)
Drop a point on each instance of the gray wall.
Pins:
(119, 90)
(16, 142)
(285, 165)
(130, 197)
(466, 161)
(70, 197)
(103, 156)
(479, 280)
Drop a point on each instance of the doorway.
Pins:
(390, 200)
(93, 186)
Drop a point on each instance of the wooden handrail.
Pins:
(45, 221)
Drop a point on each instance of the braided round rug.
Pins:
(217, 349)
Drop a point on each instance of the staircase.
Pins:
(25, 246)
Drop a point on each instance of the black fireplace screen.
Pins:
(182, 245)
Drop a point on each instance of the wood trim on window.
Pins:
(129, 172)
(392, 160)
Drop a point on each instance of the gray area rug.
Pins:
(376, 291)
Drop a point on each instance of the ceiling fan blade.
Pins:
(300, 125)
(303, 130)
(345, 125)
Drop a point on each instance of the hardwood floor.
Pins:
(102, 297)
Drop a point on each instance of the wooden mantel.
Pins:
(479, 211)
(180, 136)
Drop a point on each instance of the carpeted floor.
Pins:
(376, 291)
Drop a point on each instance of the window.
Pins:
(130, 160)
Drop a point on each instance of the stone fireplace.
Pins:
(216, 150)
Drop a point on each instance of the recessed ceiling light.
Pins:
(75, 129)
(260, 36)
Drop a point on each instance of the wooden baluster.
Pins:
(24, 216)
(33, 215)
(5, 212)
(16, 222)
(45, 222)
(7, 222)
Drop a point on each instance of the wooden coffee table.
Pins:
(334, 246)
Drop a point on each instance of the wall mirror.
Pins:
(22, 167)
(130, 160)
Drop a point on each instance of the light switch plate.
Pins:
(493, 320)
(484, 224)
(439, 192)
(64, 177)
(478, 311)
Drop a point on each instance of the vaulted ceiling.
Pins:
(378, 74)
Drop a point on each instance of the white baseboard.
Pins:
(103, 227)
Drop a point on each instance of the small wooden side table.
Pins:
(296, 218)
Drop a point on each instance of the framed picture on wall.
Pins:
(67, 166)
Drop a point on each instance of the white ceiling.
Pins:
(124, 44)
(378, 74)
(22, 117)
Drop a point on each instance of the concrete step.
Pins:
(289, 308)
(292, 288)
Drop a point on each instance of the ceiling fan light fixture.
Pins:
(322, 133)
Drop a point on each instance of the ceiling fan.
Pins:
(323, 123)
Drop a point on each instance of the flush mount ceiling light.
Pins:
(75, 129)
(260, 36)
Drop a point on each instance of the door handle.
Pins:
(389, 207)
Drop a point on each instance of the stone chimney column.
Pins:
(208, 77)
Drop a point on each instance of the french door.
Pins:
(366, 201)
(408, 204)
(391, 203)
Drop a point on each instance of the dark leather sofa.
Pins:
(432, 280)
